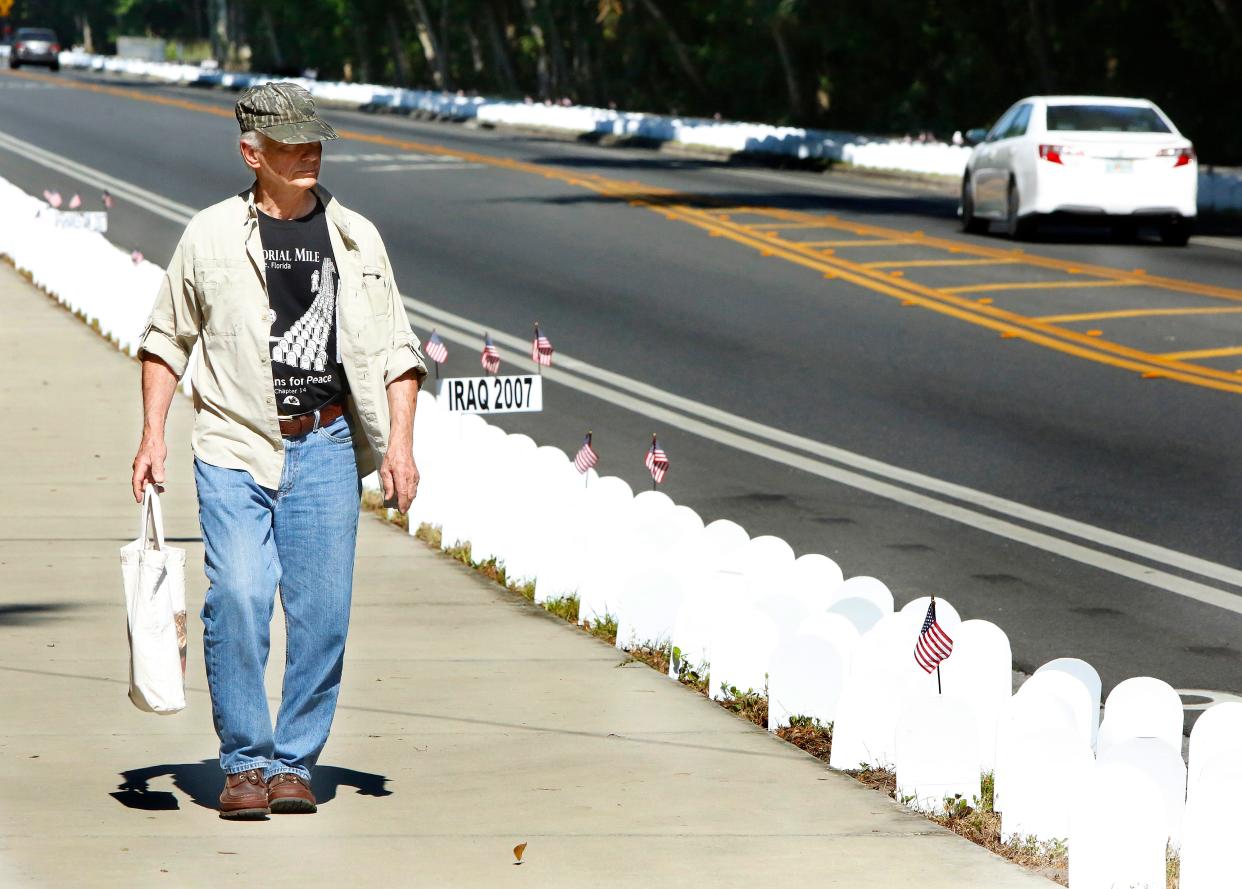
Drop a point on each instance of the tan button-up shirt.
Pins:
(215, 294)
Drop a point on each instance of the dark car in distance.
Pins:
(35, 46)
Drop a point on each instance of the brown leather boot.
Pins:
(289, 793)
(244, 795)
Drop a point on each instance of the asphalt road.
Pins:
(1090, 384)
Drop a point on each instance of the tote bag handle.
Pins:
(151, 518)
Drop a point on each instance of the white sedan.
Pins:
(1118, 160)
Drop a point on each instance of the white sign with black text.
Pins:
(89, 220)
(519, 393)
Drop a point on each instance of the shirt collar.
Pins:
(332, 208)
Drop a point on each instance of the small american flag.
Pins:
(934, 644)
(657, 461)
(586, 458)
(435, 348)
(491, 355)
(541, 349)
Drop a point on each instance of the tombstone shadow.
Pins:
(202, 782)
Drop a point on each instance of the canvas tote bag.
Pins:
(154, 576)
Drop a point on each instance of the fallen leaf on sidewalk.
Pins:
(517, 852)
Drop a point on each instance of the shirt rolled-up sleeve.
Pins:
(175, 321)
(404, 354)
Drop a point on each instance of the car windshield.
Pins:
(1105, 119)
(36, 34)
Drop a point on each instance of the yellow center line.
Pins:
(674, 206)
(932, 263)
(1205, 353)
(826, 223)
(1037, 285)
(869, 242)
(1141, 313)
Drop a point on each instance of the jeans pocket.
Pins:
(337, 431)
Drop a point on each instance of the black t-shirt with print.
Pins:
(302, 286)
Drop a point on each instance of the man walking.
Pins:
(306, 377)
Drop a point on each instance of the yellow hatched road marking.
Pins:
(1205, 353)
(931, 263)
(1035, 285)
(1142, 313)
(826, 223)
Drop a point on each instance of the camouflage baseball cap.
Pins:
(282, 111)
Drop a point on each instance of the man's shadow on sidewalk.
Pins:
(203, 781)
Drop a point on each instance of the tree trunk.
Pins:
(427, 39)
(679, 49)
(400, 58)
(500, 53)
(543, 64)
(219, 31)
(796, 108)
(476, 50)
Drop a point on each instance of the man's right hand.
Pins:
(149, 465)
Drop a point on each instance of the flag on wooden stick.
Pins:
(586, 458)
(934, 644)
(435, 348)
(541, 349)
(491, 355)
(657, 461)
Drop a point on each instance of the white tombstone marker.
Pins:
(862, 613)
(1117, 831)
(1042, 789)
(1069, 691)
(1164, 766)
(1218, 731)
(1209, 856)
(808, 671)
(1142, 707)
(1087, 675)
(880, 671)
(743, 642)
(937, 753)
(813, 578)
(1028, 720)
(867, 588)
(980, 671)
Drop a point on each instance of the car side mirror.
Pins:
(975, 136)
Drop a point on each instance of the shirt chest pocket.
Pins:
(224, 290)
(378, 307)
(375, 283)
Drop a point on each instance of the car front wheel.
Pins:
(1020, 228)
(971, 224)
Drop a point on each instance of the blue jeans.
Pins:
(301, 539)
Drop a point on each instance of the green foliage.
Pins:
(565, 607)
(886, 66)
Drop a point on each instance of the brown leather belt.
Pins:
(304, 423)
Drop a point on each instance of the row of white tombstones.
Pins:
(753, 617)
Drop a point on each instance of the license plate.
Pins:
(1120, 166)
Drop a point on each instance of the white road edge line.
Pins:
(1009, 508)
(1208, 595)
(653, 402)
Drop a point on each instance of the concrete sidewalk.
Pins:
(470, 721)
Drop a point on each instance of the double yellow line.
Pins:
(766, 239)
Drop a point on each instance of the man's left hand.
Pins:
(399, 476)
